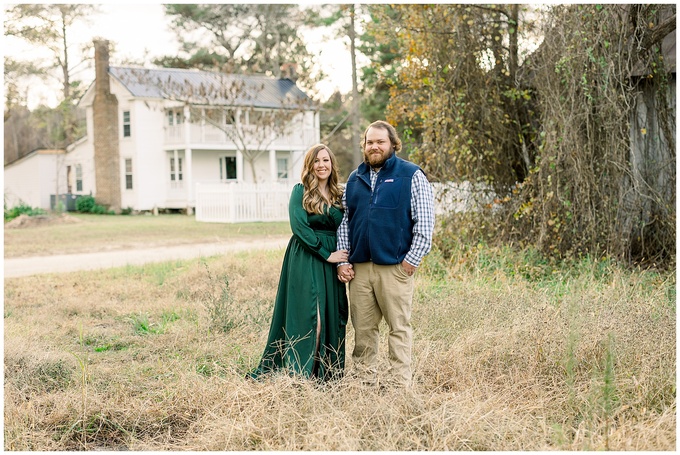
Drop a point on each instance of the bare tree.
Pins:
(251, 113)
(49, 26)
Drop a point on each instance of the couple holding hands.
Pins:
(372, 236)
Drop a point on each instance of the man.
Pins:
(387, 228)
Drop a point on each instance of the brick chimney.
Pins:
(106, 141)
(289, 71)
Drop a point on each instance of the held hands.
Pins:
(345, 273)
(338, 256)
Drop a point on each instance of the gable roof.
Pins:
(204, 87)
(33, 153)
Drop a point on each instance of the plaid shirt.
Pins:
(422, 214)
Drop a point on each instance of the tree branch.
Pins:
(659, 33)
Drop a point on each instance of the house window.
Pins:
(227, 168)
(229, 117)
(128, 174)
(79, 177)
(175, 117)
(175, 169)
(126, 124)
(282, 168)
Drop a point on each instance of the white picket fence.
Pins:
(242, 202)
(245, 202)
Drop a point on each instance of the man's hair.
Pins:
(391, 133)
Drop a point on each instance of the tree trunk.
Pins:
(513, 46)
(648, 194)
(356, 132)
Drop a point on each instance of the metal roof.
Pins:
(211, 88)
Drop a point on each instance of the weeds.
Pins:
(578, 357)
(22, 209)
(144, 326)
(218, 301)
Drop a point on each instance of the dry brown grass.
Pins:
(575, 359)
(86, 233)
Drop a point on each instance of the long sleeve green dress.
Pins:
(308, 289)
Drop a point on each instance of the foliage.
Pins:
(42, 128)
(385, 55)
(15, 72)
(335, 131)
(243, 38)
(143, 324)
(87, 204)
(453, 93)
(548, 133)
(344, 19)
(583, 194)
(48, 26)
(218, 301)
(22, 209)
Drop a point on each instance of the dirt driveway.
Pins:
(25, 266)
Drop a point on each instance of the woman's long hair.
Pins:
(312, 200)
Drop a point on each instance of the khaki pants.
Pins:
(379, 291)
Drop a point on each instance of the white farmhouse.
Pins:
(155, 135)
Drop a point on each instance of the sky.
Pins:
(141, 32)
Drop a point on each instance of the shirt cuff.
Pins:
(413, 260)
(324, 253)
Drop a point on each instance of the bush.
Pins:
(22, 209)
(87, 204)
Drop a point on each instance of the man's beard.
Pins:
(374, 161)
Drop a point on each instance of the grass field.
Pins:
(511, 353)
(100, 233)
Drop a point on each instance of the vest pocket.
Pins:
(388, 192)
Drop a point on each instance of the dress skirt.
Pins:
(308, 291)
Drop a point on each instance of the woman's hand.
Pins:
(346, 273)
(338, 256)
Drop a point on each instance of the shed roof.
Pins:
(204, 87)
(35, 152)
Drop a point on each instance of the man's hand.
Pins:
(408, 268)
(345, 273)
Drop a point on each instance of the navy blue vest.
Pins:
(380, 224)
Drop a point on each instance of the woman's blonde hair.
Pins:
(312, 200)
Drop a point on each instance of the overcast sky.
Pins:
(140, 32)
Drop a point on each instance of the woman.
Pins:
(307, 334)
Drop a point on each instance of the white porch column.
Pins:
(297, 158)
(188, 173)
(272, 166)
(187, 126)
(189, 180)
(239, 166)
(317, 127)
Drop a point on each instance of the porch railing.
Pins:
(241, 202)
(208, 134)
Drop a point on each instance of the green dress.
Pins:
(308, 286)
